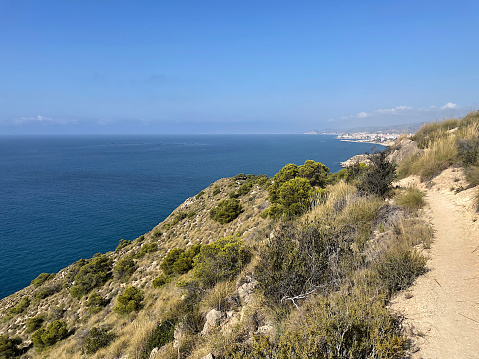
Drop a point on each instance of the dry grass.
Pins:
(215, 298)
(440, 143)
(411, 198)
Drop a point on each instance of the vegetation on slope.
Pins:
(296, 266)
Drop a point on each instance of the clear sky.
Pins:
(101, 66)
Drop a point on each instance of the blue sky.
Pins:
(100, 66)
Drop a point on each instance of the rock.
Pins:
(178, 334)
(403, 150)
(209, 356)
(213, 319)
(356, 159)
(246, 290)
(153, 353)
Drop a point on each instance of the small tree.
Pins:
(131, 300)
(124, 269)
(55, 331)
(378, 176)
(97, 338)
(220, 260)
(9, 347)
(226, 211)
(95, 303)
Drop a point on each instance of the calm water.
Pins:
(69, 197)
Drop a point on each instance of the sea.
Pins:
(63, 198)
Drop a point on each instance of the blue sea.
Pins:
(63, 198)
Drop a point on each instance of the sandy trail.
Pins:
(442, 316)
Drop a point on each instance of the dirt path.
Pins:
(442, 308)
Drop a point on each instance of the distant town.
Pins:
(379, 135)
(371, 137)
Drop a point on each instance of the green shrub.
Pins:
(96, 339)
(399, 267)
(472, 175)
(216, 191)
(411, 197)
(185, 262)
(95, 303)
(9, 347)
(42, 278)
(294, 196)
(46, 292)
(378, 176)
(221, 260)
(233, 194)
(199, 195)
(161, 281)
(468, 151)
(226, 211)
(343, 327)
(34, 323)
(91, 274)
(315, 172)
(298, 261)
(171, 257)
(124, 268)
(245, 188)
(122, 244)
(147, 248)
(163, 334)
(55, 331)
(131, 300)
(20, 307)
(179, 261)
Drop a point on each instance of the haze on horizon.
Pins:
(75, 67)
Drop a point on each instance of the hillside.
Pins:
(304, 264)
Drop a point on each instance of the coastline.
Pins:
(385, 144)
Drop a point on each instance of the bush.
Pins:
(468, 151)
(411, 198)
(20, 307)
(34, 323)
(9, 347)
(472, 175)
(46, 292)
(147, 248)
(378, 176)
(122, 244)
(179, 261)
(199, 195)
(343, 327)
(170, 259)
(97, 338)
(131, 300)
(163, 334)
(55, 331)
(315, 172)
(399, 267)
(92, 274)
(216, 191)
(220, 260)
(42, 278)
(294, 196)
(226, 211)
(124, 269)
(161, 281)
(245, 188)
(95, 303)
(298, 261)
